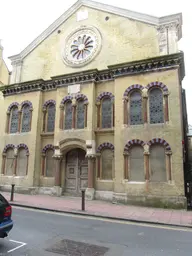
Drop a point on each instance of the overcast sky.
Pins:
(21, 21)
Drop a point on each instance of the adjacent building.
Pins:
(4, 72)
(96, 102)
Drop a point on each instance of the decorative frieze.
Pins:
(131, 68)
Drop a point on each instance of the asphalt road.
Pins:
(34, 232)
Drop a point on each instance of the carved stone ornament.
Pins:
(81, 46)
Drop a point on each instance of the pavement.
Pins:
(45, 233)
(103, 209)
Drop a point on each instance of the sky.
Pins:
(21, 21)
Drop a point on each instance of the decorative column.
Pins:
(43, 164)
(166, 107)
(74, 106)
(126, 163)
(3, 163)
(15, 162)
(7, 122)
(168, 164)
(85, 113)
(57, 167)
(98, 104)
(19, 120)
(98, 165)
(145, 99)
(146, 166)
(90, 191)
(61, 119)
(44, 118)
(125, 110)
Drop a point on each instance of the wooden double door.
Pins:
(76, 177)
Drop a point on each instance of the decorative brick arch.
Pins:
(130, 143)
(104, 146)
(160, 141)
(48, 146)
(66, 98)
(14, 104)
(81, 97)
(132, 87)
(157, 84)
(103, 94)
(49, 102)
(7, 147)
(27, 102)
(22, 145)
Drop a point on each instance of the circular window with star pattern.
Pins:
(82, 46)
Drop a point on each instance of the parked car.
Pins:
(6, 223)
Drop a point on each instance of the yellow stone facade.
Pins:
(134, 55)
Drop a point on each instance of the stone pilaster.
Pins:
(57, 167)
(90, 191)
(168, 165)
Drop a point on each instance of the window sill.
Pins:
(100, 180)
(47, 134)
(104, 130)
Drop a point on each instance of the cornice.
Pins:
(96, 76)
(151, 20)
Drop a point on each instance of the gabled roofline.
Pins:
(145, 18)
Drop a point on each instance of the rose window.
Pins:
(82, 47)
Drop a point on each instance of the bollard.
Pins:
(83, 200)
(12, 192)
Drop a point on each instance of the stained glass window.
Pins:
(26, 119)
(50, 118)
(80, 115)
(136, 108)
(14, 120)
(49, 164)
(21, 162)
(156, 106)
(106, 113)
(68, 115)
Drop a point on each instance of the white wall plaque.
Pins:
(73, 89)
(82, 15)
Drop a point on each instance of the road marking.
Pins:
(17, 247)
(159, 226)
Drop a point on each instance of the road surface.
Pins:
(37, 233)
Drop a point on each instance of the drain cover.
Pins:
(73, 248)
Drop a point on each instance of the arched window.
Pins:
(107, 164)
(68, 119)
(22, 162)
(9, 162)
(156, 106)
(157, 163)
(80, 117)
(26, 119)
(137, 172)
(136, 115)
(14, 120)
(50, 124)
(49, 163)
(106, 113)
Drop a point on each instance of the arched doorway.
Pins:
(76, 176)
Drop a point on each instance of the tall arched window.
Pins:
(49, 163)
(156, 106)
(68, 119)
(26, 119)
(157, 163)
(14, 120)
(136, 172)
(80, 117)
(22, 162)
(136, 115)
(107, 164)
(106, 113)
(50, 124)
(9, 162)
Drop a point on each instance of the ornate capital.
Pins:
(126, 153)
(98, 103)
(61, 106)
(91, 156)
(58, 157)
(168, 152)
